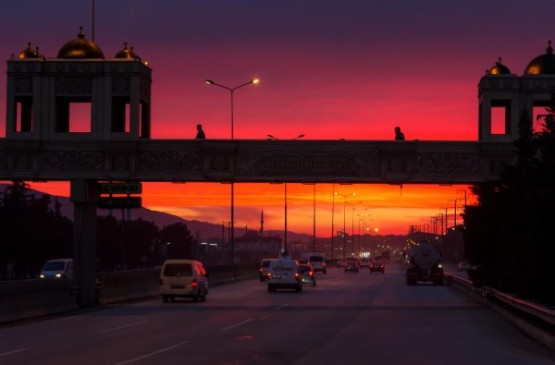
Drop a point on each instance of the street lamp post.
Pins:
(231, 92)
(344, 196)
(360, 218)
(332, 214)
(313, 215)
(314, 220)
(285, 253)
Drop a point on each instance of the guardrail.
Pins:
(545, 314)
(23, 299)
(535, 320)
(31, 298)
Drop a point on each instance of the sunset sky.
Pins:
(329, 69)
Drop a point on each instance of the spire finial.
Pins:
(549, 49)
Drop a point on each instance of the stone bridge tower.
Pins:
(78, 95)
(503, 97)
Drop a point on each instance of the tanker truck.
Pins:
(425, 265)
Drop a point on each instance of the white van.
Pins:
(57, 269)
(183, 279)
(318, 261)
(284, 273)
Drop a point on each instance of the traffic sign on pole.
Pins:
(119, 202)
(120, 188)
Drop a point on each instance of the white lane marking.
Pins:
(135, 359)
(122, 327)
(237, 324)
(11, 352)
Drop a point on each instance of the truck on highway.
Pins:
(425, 265)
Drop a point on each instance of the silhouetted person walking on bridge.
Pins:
(399, 136)
(200, 132)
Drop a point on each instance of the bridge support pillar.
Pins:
(84, 195)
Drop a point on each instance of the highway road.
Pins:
(347, 318)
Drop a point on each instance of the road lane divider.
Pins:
(238, 324)
(150, 354)
(283, 306)
(2, 354)
(122, 327)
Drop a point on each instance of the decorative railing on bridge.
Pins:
(256, 160)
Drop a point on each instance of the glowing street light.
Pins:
(231, 92)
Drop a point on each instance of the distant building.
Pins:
(252, 247)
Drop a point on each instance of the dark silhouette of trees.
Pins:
(133, 244)
(32, 232)
(510, 234)
(139, 237)
(108, 246)
(180, 239)
(124, 243)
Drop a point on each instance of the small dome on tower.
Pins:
(542, 65)
(30, 53)
(499, 69)
(127, 53)
(80, 48)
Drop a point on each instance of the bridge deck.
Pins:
(336, 161)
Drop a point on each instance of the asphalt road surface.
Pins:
(347, 318)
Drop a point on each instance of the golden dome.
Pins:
(499, 69)
(80, 48)
(30, 53)
(542, 65)
(127, 53)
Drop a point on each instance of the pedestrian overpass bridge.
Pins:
(84, 163)
(40, 144)
(323, 161)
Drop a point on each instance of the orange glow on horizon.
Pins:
(391, 209)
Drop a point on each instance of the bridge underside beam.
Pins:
(394, 162)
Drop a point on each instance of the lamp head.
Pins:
(209, 82)
(255, 81)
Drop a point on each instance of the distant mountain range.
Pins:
(204, 230)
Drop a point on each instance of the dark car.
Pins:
(307, 274)
(263, 270)
(463, 266)
(377, 266)
(352, 265)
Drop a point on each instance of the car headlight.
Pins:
(41, 276)
(58, 275)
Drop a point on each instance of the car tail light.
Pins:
(269, 275)
(296, 274)
(194, 284)
(311, 273)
